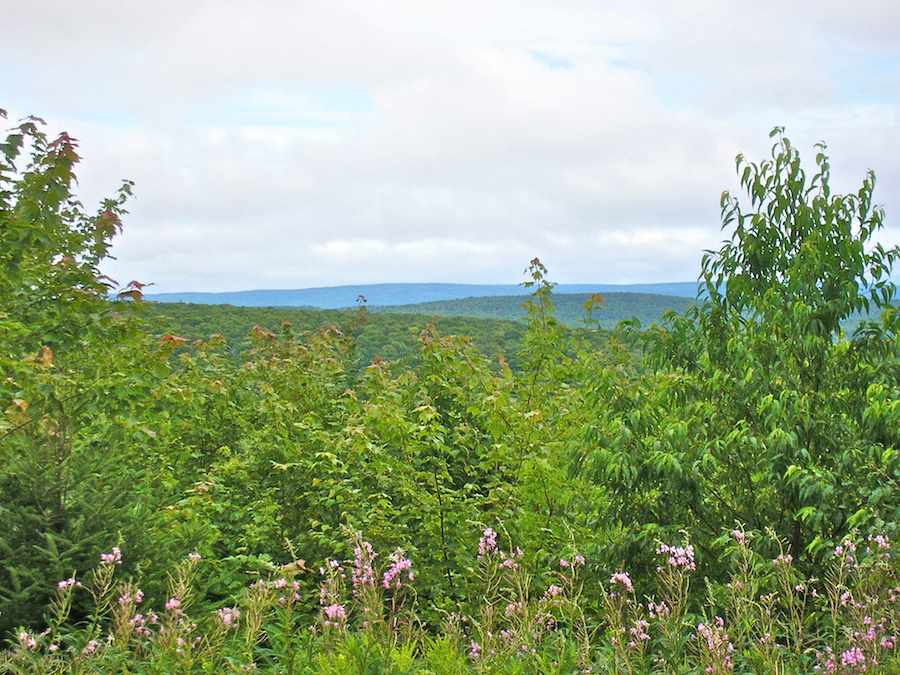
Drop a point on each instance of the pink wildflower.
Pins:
(113, 557)
(487, 544)
(27, 640)
(336, 615)
(853, 657)
(552, 591)
(398, 565)
(717, 648)
(229, 616)
(679, 557)
(362, 573)
(623, 579)
(139, 624)
(741, 537)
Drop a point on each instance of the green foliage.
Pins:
(390, 337)
(418, 454)
(761, 410)
(73, 376)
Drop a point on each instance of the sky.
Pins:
(304, 143)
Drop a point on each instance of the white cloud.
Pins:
(295, 144)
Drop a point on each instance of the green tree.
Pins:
(70, 376)
(760, 409)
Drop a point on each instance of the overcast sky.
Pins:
(300, 143)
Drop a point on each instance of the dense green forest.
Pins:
(615, 308)
(175, 499)
(387, 336)
(391, 337)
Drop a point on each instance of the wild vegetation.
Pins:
(190, 505)
(615, 308)
(392, 337)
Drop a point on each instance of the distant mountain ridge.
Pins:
(379, 295)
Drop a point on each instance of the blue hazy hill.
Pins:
(377, 295)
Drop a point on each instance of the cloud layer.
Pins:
(287, 144)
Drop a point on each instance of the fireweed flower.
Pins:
(678, 557)
(229, 616)
(125, 598)
(825, 661)
(622, 579)
(880, 540)
(639, 632)
(362, 573)
(845, 552)
(741, 537)
(173, 604)
(718, 649)
(474, 650)
(487, 544)
(336, 614)
(139, 624)
(783, 559)
(393, 575)
(113, 557)
(27, 640)
(854, 658)
(552, 591)
(578, 561)
(509, 561)
(331, 588)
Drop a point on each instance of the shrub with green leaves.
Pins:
(760, 409)
(74, 372)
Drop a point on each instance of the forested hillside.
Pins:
(390, 336)
(177, 501)
(647, 308)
